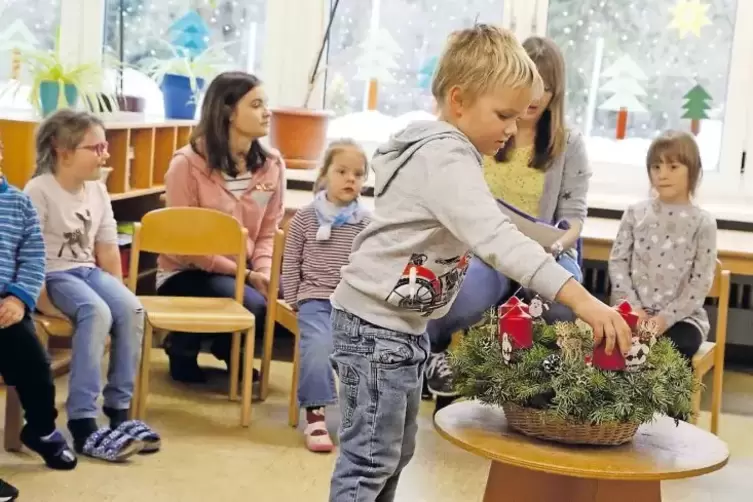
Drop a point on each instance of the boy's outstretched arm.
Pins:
(30, 265)
(458, 196)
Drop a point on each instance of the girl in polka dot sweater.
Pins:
(664, 256)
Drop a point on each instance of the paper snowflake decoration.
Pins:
(689, 16)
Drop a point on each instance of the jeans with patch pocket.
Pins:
(380, 373)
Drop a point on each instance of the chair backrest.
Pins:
(720, 290)
(274, 280)
(189, 231)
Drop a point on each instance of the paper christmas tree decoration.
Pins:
(696, 105)
(624, 78)
(689, 16)
(376, 62)
(14, 39)
(190, 33)
(426, 73)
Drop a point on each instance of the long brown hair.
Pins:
(335, 147)
(211, 137)
(549, 141)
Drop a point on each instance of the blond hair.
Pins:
(680, 147)
(335, 147)
(481, 58)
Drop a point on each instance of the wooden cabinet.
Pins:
(140, 152)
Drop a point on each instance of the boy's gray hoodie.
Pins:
(432, 210)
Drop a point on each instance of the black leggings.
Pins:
(686, 337)
(24, 364)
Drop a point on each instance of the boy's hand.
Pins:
(12, 311)
(607, 324)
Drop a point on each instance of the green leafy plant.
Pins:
(572, 389)
(178, 61)
(47, 66)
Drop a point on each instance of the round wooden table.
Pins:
(529, 470)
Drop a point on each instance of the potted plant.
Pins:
(182, 76)
(55, 84)
(300, 134)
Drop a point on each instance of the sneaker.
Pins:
(7, 492)
(54, 449)
(439, 375)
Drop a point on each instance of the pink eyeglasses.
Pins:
(100, 148)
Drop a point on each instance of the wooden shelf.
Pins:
(140, 152)
(137, 192)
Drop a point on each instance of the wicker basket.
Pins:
(542, 425)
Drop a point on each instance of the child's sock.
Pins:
(314, 415)
(53, 448)
(317, 436)
(116, 417)
(81, 429)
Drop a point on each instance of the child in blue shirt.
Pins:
(23, 360)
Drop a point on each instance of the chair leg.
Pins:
(695, 401)
(235, 364)
(248, 369)
(716, 397)
(294, 411)
(266, 357)
(143, 379)
(13, 420)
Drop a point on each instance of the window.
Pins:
(381, 58)
(24, 24)
(637, 68)
(149, 26)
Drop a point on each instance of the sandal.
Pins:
(111, 445)
(317, 437)
(139, 430)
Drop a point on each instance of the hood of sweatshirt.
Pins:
(391, 157)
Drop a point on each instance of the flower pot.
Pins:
(300, 135)
(49, 93)
(180, 100)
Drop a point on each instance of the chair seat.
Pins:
(196, 315)
(54, 326)
(703, 358)
(286, 316)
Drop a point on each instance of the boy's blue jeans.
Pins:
(99, 304)
(380, 374)
(316, 380)
(482, 288)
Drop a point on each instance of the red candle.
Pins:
(513, 302)
(626, 311)
(518, 326)
(611, 362)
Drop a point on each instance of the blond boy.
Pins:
(433, 209)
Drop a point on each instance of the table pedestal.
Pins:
(507, 483)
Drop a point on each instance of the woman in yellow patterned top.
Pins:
(543, 171)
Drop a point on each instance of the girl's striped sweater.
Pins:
(22, 253)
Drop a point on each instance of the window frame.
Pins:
(614, 187)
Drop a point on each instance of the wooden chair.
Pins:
(192, 231)
(711, 354)
(280, 312)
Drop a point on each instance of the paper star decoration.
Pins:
(689, 16)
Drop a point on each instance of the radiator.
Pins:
(739, 323)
